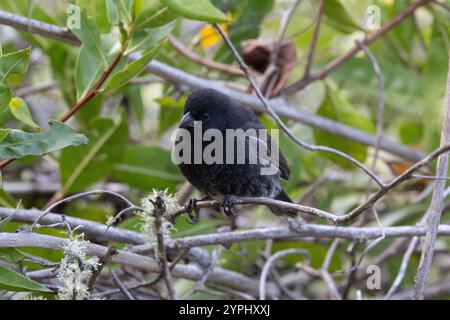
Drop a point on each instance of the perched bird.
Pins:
(225, 181)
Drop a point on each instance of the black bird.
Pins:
(225, 181)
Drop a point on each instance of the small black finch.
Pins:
(224, 180)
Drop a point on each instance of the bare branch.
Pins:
(300, 84)
(269, 263)
(210, 64)
(121, 286)
(38, 27)
(219, 276)
(313, 43)
(435, 209)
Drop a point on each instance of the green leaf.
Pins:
(89, 35)
(171, 112)
(248, 16)
(98, 10)
(11, 254)
(144, 40)
(87, 164)
(335, 107)
(5, 96)
(133, 95)
(4, 133)
(410, 132)
(88, 69)
(13, 281)
(153, 15)
(14, 64)
(338, 17)
(5, 221)
(201, 10)
(18, 144)
(21, 112)
(133, 69)
(147, 168)
(112, 12)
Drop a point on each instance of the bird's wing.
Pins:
(265, 154)
(255, 123)
(284, 167)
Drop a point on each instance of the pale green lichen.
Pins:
(110, 220)
(147, 223)
(75, 269)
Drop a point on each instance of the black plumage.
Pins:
(221, 180)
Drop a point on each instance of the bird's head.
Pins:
(208, 106)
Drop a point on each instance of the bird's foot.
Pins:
(191, 206)
(229, 206)
(296, 224)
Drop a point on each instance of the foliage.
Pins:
(119, 134)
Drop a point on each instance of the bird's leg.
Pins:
(191, 206)
(229, 205)
(295, 224)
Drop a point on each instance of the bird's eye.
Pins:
(205, 116)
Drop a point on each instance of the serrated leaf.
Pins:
(147, 168)
(14, 63)
(201, 10)
(154, 14)
(11, 254)
(21, 112)
(18, 144)
(87, 164)
(133, 69)
(13, 281)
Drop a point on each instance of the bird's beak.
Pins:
(187, 121)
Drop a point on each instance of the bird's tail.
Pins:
(282, 196)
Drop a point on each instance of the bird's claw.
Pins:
(190, 207)
(229, 206)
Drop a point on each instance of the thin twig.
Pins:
(300, 84)
(312, 46)
(269, 263)
(210, 64)
(81, 195)
(121, 286)
(269, 76)
(401, 273)
(437, 202)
